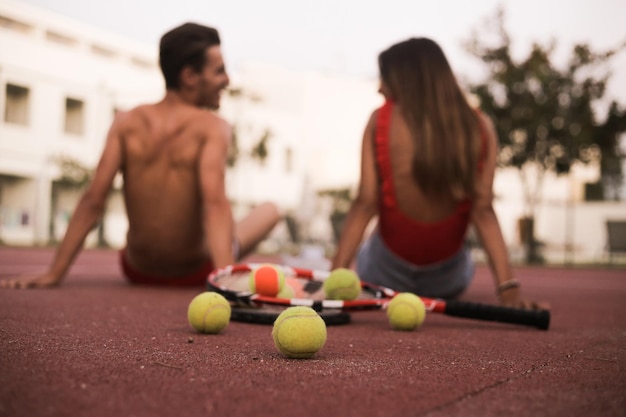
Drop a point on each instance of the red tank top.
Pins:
(417, 242)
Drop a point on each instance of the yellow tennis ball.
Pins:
(406, 311)
(266, 280)
(286, 292)
(209, 312)
(299, 332)
(342, 284)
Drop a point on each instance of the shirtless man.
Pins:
(172, 155)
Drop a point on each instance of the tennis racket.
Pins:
(232, 283)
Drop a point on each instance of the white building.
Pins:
(316, 123)
(61, 83)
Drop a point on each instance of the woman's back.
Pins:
(411, 199)
(420, 227)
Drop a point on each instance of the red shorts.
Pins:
(196, 279)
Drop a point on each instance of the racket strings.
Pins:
(307, 288)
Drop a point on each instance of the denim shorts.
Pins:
(377, 264)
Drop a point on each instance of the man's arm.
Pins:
(364, 206)
(86, 215)
(216, 211)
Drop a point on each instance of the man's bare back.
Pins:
(161, 146)
(172, 155)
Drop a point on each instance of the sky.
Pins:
(346, 36)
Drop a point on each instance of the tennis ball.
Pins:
(266, 280)
(299, 332)
(286, 292)
(342, 284)
(406, 311)
(209, 312)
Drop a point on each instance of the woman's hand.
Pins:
(512, 297)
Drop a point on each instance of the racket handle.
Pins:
(536, 318)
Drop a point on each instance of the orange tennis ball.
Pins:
(266, 280)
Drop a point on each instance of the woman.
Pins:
(427, 167)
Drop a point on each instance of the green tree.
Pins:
(608, 141)
(341, 200)
(546, 116)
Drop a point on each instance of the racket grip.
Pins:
(535, 318)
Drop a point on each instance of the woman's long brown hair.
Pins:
(444, 128)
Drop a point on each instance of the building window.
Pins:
(103, 51)
(60, 38)
(74, 116)
(14, 25)
(17, 104)
(141, 62)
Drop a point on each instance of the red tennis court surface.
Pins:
(100, 347)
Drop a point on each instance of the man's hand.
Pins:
(39, 281)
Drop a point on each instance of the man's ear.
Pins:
(188, 77)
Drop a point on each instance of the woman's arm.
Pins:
(488, 229)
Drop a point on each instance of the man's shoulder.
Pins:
(125, 116)
(210, 116)
(193, 118)
(210, 120)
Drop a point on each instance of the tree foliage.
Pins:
(341, 198)
(545, 115)
(73, 172)
(259, 151)
(233, 149)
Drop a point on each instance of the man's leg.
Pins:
(255, 227)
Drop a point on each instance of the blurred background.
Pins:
(304, 81)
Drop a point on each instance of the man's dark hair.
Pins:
(182, 46)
